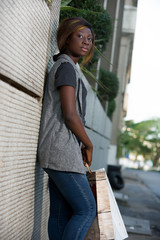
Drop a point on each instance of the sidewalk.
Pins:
(141, 203)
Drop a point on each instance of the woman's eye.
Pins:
(90, 39)
(80, 36)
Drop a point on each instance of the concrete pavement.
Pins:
(151, 179)
(141, 204)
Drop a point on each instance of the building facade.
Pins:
(119, 53)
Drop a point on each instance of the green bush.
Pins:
(110, 85)
(111, 108)
(93, 5)
(108, 90)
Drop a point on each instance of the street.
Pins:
(140, 208)
(151, 179)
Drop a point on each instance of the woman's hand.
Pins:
(87, 154)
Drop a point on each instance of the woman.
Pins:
(62, 135)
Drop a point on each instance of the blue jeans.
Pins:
(72, 205)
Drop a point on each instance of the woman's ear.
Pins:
(67, 41)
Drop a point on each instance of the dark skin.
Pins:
(78, 45)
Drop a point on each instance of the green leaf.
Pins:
(100, 40)
(96, 49)
(94, 90)
(64, 3)
(94, 78)
(48, 1)
(79, 10)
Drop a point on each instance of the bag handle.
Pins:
(89, 170)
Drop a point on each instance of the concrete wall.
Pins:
(26, 27)
(115, 10)
(129, 19)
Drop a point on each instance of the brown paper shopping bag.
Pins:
(102, 226)
(108, 223)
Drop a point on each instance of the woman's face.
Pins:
(79, 43)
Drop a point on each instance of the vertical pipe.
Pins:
(99, 60)
(97, 75)
(105, 4)
(114, 35)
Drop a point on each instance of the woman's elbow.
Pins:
(69, 118)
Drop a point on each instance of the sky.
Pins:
(144, 87)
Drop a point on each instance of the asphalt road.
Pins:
(151, 179)
(143, 203)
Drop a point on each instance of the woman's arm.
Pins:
(72, 119)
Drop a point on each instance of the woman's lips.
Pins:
(84, 49)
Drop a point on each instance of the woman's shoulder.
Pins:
(65, 67)
(66, 64)
(64, 58)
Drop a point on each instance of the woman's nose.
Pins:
(85, 40)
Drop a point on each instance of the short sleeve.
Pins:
(65, 75)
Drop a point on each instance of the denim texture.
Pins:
(72, 205)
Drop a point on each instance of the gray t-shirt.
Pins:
(66, 76)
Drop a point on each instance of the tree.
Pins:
(141, 138)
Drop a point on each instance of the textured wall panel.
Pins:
(27, 28)
(98, 127)
(23, 42)
(96, 117)
(23, 185)
(52, 47)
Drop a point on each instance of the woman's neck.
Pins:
(74, 58)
